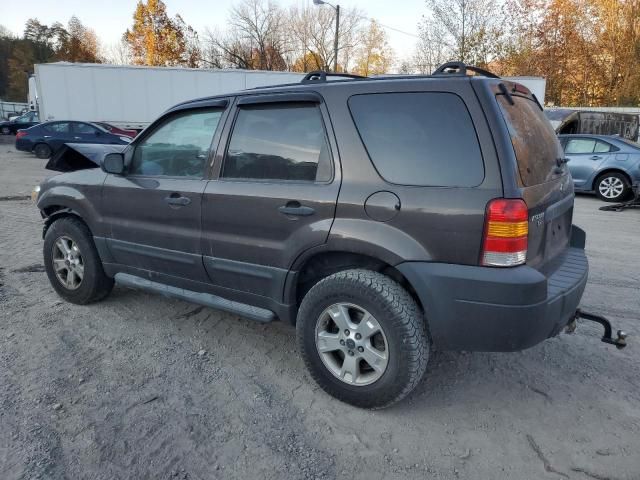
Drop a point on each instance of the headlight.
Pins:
(126, 139)
(35, 193)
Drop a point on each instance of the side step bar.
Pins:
(254, 313)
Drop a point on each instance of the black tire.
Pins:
(398, 315)
(42, 150)
(95, 285)
(6, 130)
(614, 178)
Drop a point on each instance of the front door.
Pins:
(585, 155)
(154, 210)
(275, 195)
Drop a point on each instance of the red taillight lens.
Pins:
(20, 134)
(506, 231)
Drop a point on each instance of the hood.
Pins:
(80, 156)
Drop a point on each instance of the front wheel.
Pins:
(72, 262)
(612, 187)
(363, 338)
(6, 130)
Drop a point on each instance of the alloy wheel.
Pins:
(68, 263)
(611, 187)
(352, 344)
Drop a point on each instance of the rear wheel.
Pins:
(72, 262)
(42, 150)
(363, 338)
(612, 187)
(6, 130)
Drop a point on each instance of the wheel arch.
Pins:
(608, 170)
(314, 267)
(53, 213)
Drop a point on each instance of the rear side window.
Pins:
(60, 127)
(534, 141)
(425, 139)
(279, 142)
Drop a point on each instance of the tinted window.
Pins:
(534, 141)
(179, 147)
(278, 142)
(419, 138)
(580, 145)
(84, 128)
(60, 127)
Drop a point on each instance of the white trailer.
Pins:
(537, 85)
(132, 97)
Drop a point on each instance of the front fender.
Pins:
(82, 200)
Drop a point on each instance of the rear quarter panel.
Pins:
(442, 224)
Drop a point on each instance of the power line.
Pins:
(363, 17)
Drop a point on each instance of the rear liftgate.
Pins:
(620, 341)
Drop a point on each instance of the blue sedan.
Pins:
(47, 138)
(606, 165)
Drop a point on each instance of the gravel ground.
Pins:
(140, 386)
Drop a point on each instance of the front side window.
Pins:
(179, 147)
(60, 127)
(425, 139)
(278, 142)
(577, 146)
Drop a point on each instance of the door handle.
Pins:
(294, 208)
(596, 157)
(175, 199)
(77, 138)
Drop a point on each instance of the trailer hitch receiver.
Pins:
(621, 337)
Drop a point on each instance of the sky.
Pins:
(110, 19)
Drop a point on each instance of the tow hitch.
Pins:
(620, 342)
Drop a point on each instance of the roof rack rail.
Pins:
(321, 76)
(459, 68)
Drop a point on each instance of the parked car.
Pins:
(27, 120)
(606, 165)
(117, 131)
(47, 138)
(383, 217)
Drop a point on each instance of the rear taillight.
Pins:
(20, 134)
(506, 230)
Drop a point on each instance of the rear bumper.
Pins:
(499, 310)
(24, 145)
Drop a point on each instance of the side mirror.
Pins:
(113, 163)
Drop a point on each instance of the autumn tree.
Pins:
(255, 37)
(159, 40)
(312, 32)
(374, 56)
(468, 28)
(77, 43)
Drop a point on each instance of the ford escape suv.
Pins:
(383, 217)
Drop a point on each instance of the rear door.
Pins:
(585, 155)
(154, 210)
(544, 181)
(275, 194)
(57, 134)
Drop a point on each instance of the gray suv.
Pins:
(383, 217)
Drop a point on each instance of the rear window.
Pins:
(424, 139)
(534, 140)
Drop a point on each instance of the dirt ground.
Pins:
(140, 386)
